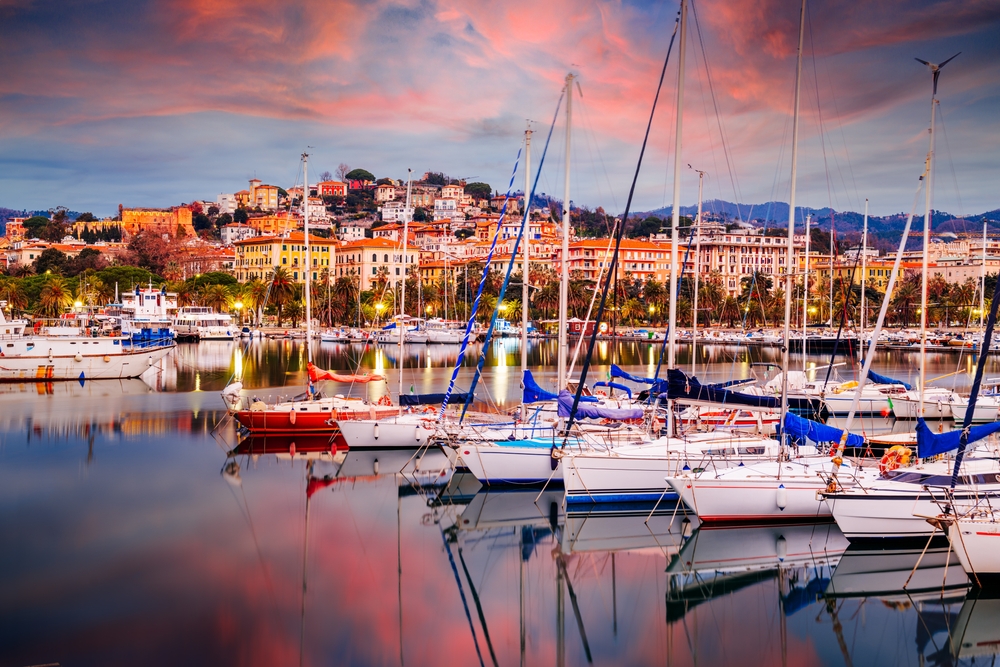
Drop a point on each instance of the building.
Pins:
(384, 193)
(317, 210)
(350, 231)
(174, 222)
(366, 258)
(262, 196)
(14, 230)
(446, 209)
(643, 260)
(274, 225)
(227, 203)
(196, 257)
(393, 211)
(331, 189)
(234, 232)
(741, 253)
(256, 258)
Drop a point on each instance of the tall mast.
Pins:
(982, 281)
(805, 297)
(308, 267)
(927, 245)
(675, 220)
(525, 272)
(864, 277)
(791, 224)
(402, 288)
(697, 276)
(564, 281)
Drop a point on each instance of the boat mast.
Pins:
(402, 288)
(675, 220)
(791, 225)
(525, 272)
(864, 276)
(308, 267)
(982, 282)
(697, 276)
(563, 355)
(928, 175)
(805, 296)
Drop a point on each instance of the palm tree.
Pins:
(13, 293)
(216, 297)
(906, 296)
(55, 297)
(295, 311)
(282, 290)
(255, 296)
(547, 298)
(729, 310)
(632, 310)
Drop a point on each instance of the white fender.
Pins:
(375, 466)
(375, 431)
(781, 548)
(781, 497)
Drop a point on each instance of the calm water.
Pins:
(135, 532)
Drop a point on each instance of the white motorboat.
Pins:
(390, 432)
(201, 323)
(441, 331)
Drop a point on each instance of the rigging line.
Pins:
(479, 294)
(479, 607)
(590, 308)
(461, 592)
(843, 136)
(618, 240)
(734, 179)
(600, 157)
(951, 163)
(822, 137)
(513, 258)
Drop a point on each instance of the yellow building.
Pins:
(274, 225)
(257, 257)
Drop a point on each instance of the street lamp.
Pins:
(239, 310)
(379, 307)
(78, 304)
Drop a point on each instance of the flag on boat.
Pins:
(317, 374)
(930, 443)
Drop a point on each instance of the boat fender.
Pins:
(291, 416)
(107, 358)
(781, 497)
(553, 459)
(78, 357)
(375, 466)
(375, 430)
(781, 548)
(149, 361)
(416, 434)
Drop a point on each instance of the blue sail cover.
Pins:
(594, 411)
(533, 393)
(882, 379)
(428, 399)
(806, 428)
(680, 386)
(614, 385)
(617, 372)
(930, 443)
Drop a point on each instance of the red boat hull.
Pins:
(283, 421)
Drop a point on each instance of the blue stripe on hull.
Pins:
(620, 497)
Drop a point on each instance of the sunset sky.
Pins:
(156, 103)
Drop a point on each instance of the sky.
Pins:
(155, 103)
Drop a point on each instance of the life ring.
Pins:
(601, 393)
(385, 400)
(896, 456)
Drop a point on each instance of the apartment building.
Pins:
(366, 257)
(257, 257)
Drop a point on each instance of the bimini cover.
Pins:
(800, 427)
(882, 379)
(317, 374)
(431, 399)
(594, 411)
(930, 443)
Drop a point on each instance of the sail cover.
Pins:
(614, 385)
(930, 443)
(806, 428)
(617, 372)
(317, 374)
(681, 386)
(533, 393)
(882, 379)
(594, 411)
(428, 399)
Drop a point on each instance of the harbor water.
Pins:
(138, 529)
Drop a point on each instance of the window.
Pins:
(296, 275)
(397, 270)
(284, 246)
(374, 257)
(374, 271)
(284, 260)
(386, 258)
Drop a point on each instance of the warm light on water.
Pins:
(133, 536)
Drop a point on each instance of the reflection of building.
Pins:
(257, 257)
(366, 257)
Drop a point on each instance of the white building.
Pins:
(393, 211)
(446, 207)
(226, 203)
(234, 232)
(350, 232)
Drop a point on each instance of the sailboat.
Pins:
(310, 412)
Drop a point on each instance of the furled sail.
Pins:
(317, 374)
(806, 428)
(595, 411)
(930, 443)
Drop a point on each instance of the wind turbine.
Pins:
(936, 69)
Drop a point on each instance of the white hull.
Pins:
(936, 406)
(406, 431)
(445, 336)
(867, 573)
(986, 410)
(721, 500)
(128, 363)
(977, 545)
(841, 404)
(876, 515)
(502, 464)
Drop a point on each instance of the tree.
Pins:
(282, 290)
(54, 231)
(325, 176)
(436, 178)
(127, 277)
(12, 291)
(465, 233)
(88, 259)
(241, 216)
(86, 217)
(223, 220)
(419, 214)
(51, 260)
(360, 175)
(342, 171)
(34, 225)
(149, 251)
(216, 297)
(55, 297)
(479, 190)
(201, 222)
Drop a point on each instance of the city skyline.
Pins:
(152, 104)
